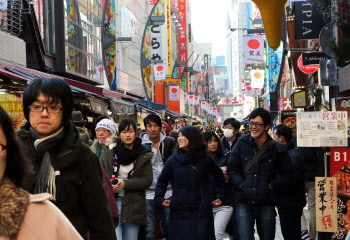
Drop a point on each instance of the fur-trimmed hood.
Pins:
(110, 142)
(13, 206)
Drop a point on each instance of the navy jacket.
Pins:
(295, 196)
(191, 214)
(226, 146)
(271, 174)
(221, 161)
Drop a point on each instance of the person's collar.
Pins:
(40, 140)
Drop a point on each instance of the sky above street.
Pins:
(209, 23)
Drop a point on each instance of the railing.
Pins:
(11, 19)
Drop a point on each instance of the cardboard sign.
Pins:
(326, 204)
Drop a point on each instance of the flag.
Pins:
(174, 93)
(253, 49)
(257, 78)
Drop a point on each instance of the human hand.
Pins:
(119, 186)
(217, 202)
(166, 203)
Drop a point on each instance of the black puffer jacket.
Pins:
(221, 161)
(295, 196)
(225, 144)
(268, 177)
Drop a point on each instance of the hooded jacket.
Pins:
(84, 200)
(164, 151)
(31, 217)
(270, 175)
(191, 214)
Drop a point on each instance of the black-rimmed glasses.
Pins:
(2, 147)
(251, 124)
(49, 109)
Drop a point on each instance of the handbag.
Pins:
(257, 156)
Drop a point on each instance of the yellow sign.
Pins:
(12, 104)
(299, 99)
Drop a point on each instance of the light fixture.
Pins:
(180, 28)
(178, 24)
(175, 20)
(173, 5)
(157, 20)
(257, 23)
(180, 18)
(173, 16)
(180, 64)
(124, 39)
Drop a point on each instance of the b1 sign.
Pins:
(339, 157)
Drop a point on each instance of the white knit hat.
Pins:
(107, 124)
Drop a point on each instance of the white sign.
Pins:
(252, 92)
(185, 98)
(174, 93)
(253, 49)
(159, 72)
(203, 106)
(322, 129)
(211, 110)
(3, 5)
(191, 99)
(129, 23)
(196, 100)
(257, 78)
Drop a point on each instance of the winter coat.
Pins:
(31, 217)
(106, 158)
(266, 178)
(191, 216)
(295, 196)
(133, 208)
(225, 144)
(166, 148)
(221, 161)
(84, 200)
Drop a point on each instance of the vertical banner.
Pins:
(159, 72)
(326, 204)
(257, 78)
(168, 21)
(285, 104)
(174, 93)
(253, 49)
(183, 37)
(274, 59)
(185, 98)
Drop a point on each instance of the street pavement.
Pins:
(278, 226)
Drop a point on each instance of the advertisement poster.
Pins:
(326, 204)
(322, 129)
(12, 104)
(253, 49)
(343, 104)
(340, 169)
(289, 118)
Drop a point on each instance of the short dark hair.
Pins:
(15, 163)
(263, 113)
(174, 134)
(196, 144)
(285, 131)
(208, 136)
(125, 125)
(234, 123)
(56, 90)
(152, 118)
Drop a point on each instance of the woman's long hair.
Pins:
(196, 144)
(15, 163)
(208, 136)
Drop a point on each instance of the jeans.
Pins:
(222, 216)
(126, 231)
(311, 203)
(152, 214)
(290, 222)
(265, 217)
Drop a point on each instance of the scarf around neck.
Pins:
(126, 156)
(48, 179)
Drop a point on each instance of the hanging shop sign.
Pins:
(289, 118)
(159, 71)
(252, 92)
(183, 37)
(285, 104)
(313, 58)
(308, 69)
(326, 204)
(253, 49)
(322, 129)
(343, 104)
(257, 78)
(274, 59)
(308, 20)
(174, 93)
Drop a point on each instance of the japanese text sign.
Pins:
(159, 72)
(253, 49)
(174, 93)
(339, 157)
(285, 104)
(326, 204)
(322, 129)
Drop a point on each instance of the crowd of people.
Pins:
(186, 183)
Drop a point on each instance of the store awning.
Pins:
(152, 105)
(172, 113)
(121, 107)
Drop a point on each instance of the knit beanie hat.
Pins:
(107, 124)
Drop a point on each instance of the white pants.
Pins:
(222, 216)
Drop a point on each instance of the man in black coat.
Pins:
(291, 203)
(258, 185)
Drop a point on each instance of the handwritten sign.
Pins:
(326, 204)
(322, 129)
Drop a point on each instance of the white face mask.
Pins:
(228, 133)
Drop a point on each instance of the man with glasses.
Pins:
(258, 179)
(60, 163)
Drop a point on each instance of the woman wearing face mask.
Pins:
(24, 216)
(222, 214)
(133, 168)
(191, 216)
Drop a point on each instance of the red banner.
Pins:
(183, 36)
